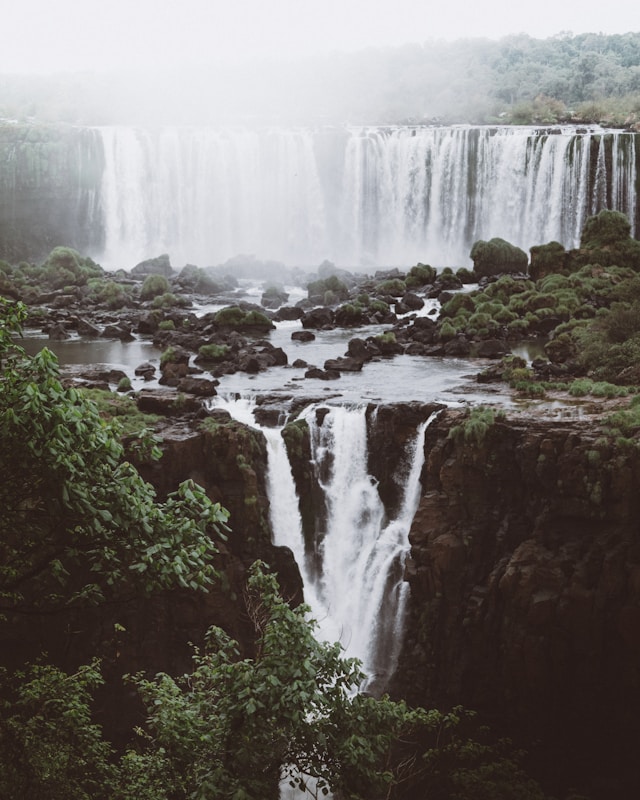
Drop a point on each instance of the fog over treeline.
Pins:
(517, 79)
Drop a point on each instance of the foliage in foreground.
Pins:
(78, 521)
(235, 728)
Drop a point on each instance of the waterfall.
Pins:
(371, 196)
(360, 585)
(358, 196)
(357, 595)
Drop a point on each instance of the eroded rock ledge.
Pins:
(525, 592)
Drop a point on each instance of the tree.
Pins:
(79, 524)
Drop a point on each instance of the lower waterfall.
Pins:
(353, 582)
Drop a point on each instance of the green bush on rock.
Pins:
(497, 256)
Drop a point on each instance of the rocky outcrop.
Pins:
(525, 593)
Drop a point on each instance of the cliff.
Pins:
(525, 593)
(49, 180)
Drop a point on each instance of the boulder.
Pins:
(161, 265)
(303, 336)
(86, 328)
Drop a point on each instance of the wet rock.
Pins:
(117, 331)
(409, 302)
(86, 328)
(58, 332)
(322, 374)
(166, 403)
(288, 314)
(492, 348)
(343, 364)
(303, 336)
(145, 370)
(321, 317)
(200, 387)
(161, 265)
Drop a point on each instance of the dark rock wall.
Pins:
(525, 601)
(49, 190)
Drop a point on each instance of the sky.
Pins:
(47, 36)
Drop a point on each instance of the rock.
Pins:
(303, 336)
(458, 346)
(148, 322)
(321, 317)
(359, 350)
(200, 387)
(288, 314)
(347, 364)
(492, 348)
(145, 370)
(58, 332)
(161, 265)
(522, 602)
(166, 403)
(321, 374)
(86, 328)
(409, 302)
(119, 331)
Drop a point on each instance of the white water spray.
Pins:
(358, 596)
(362, 196)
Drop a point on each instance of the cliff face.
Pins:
(49, 185)
(525, 591)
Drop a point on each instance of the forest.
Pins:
(586, 78)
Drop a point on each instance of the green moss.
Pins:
(475, 427)
(168, 356)
(213, 352)
(123, 408)
(154, 286)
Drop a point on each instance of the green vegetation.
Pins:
(395, 287)
(517, 79)
(169, 300)
(154, 286)
(237, 319)
(213, 352)
(78, 522)
(419, 276)
(328, 291)
(496, 257)
(121, 412)
(473, 430)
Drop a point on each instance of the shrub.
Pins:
(169, 300)
(213, 352)
(476, 426)
(420, 275)
(497, 256)
(395, 287)
(605, 229)
(547, 259)
(153, 286)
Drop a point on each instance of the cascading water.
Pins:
(360, 583)
(357, 594)
(358, 196)
(355, 589)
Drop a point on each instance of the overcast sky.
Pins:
(101, 35)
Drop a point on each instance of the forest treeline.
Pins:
(586, 78)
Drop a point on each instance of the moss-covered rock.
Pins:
(497, 256)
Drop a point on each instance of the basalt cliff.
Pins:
(525, 593)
